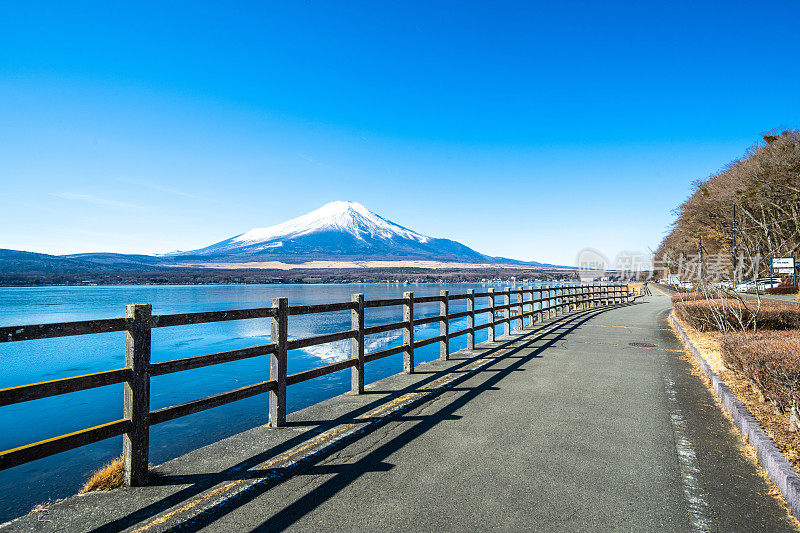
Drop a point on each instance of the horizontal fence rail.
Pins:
(533, 304)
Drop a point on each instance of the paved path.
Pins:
(568, 427)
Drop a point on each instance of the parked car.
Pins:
(758, 285)
(763, 284)
(745, 287)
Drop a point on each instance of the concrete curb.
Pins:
(780, 471)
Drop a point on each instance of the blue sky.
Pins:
(528, 130)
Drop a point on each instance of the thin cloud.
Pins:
(314, 161)
(96, 200)
(117, 236)
(167, 190)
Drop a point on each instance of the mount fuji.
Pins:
(336, 231)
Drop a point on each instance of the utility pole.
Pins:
(734, 247)
(700, 253)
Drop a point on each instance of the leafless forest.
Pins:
(764, 187)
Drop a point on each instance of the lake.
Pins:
(26, 362)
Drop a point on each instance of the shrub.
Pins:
(771, 360)
(783, 289)
(107, 478)
(729, 314)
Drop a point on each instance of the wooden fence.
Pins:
(138, 324)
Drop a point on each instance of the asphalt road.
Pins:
(568, 427)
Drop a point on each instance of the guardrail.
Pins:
(139, 323)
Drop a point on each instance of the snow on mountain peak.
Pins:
(348, 217)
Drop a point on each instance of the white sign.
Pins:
(785, 271)
(783, 262)
(674, 279)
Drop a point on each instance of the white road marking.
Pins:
(700, 517)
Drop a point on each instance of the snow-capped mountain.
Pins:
(346, 217)
(338, 230)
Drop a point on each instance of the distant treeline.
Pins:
(764, 185)
(187, 276)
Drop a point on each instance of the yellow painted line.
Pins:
(294, 451)
(323, 437)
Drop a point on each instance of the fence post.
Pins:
(507, 311)
(357, 345)
(523, 307)
(408, 332)
(277, 362)
(555, 301)
(559, 300)
(543, 294)
(136, 396)
(491, 315)
(547, 299)
(521, 319)
(471, 319)
(540, 314)
(444, 326)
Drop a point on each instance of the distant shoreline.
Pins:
(316, 272)
(302, 273)
(314, 265)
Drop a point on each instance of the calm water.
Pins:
(32, 361)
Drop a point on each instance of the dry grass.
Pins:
(107, 478)
(770, 360)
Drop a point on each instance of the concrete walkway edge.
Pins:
(780, 471)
